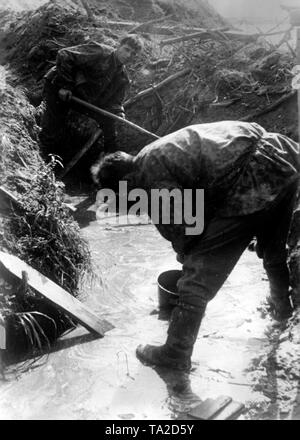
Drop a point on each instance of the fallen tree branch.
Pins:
(270, 107)
(116, 24)
(158, 86)
(269, 34)
(190, 30)
(202, 33)
(128, 26)
(214, 33)
(147, 23)
(162, 30)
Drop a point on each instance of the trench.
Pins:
(87, 378)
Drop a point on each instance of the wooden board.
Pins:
(7, 199)
(230, 412)
(56, 295)
(209, 408)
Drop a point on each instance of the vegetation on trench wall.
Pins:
(38, 228)
(44, 234)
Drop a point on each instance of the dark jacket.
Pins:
(241, 167)
(92, 72)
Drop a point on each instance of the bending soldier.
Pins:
(250, 179)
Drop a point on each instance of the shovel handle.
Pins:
(112, 116)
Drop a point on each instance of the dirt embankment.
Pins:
(35, 223)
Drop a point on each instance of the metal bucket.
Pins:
(167, 289)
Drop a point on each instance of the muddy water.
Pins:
(86, 378)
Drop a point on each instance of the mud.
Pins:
(240, 351)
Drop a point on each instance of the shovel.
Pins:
(102, 112)
(98, 132)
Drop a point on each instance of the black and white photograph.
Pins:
(149, 213)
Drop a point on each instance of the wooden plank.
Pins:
(70, 207)
(56, 294)
(231, 412)
(209, 408)
(128, 25)
(212, 34)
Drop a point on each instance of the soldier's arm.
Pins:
(172, 217)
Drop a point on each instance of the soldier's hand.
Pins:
(65, 95)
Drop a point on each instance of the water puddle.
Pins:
(88, 378)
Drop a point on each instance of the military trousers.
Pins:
(207, 265)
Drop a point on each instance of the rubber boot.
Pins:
(279, 299)
(182, 333)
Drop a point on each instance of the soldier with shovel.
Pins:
(94, 73)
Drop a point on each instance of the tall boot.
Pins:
(182, 333)
(279, 299)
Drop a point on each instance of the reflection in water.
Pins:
(180, 397)
(87, 378)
